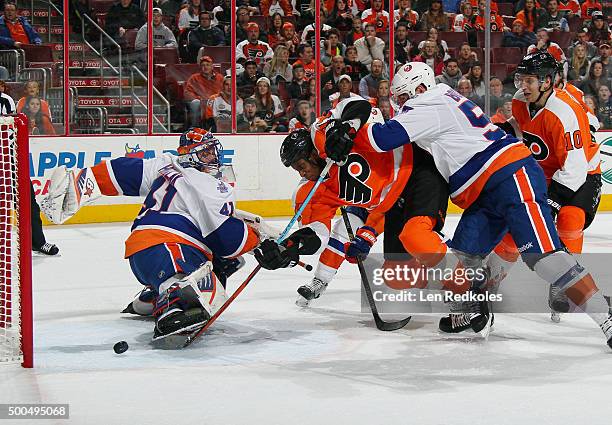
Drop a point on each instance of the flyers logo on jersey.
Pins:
(536, 145)
(351, 180)
(407, 68)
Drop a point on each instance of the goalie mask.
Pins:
(201, 150)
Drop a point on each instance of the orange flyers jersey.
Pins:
(559, 138)
(369, 179)
(578, 95)
(497, 23)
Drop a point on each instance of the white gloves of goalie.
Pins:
(68, 193)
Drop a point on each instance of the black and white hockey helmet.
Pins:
(540, 64)
(297, 145)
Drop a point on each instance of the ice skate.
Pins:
(310, 291)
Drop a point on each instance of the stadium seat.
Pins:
(217, 53)
(506, 9)
(506, 55)
(283, 93)
(508, 21)
(563, 39)
(37, 53)
(417, 36)
(453, 39)
(496, 38)
(224, 66)
(499, 70)
(355, 88)
(101, 18)
(15, 89)
(479, 53)
(101, 5)
(165, 55)
(290, 19)
(260, 20)
(130, 38)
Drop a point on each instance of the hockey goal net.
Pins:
(15, 243)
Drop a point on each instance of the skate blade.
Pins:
(302, 302)
(176, 340)
(555, 317)
(484, 332)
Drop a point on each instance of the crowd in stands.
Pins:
(274, 46)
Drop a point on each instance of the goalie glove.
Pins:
(365, 238)
(68, 193)
(339, 140)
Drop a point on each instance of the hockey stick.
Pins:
(250, 277)
(380, 323)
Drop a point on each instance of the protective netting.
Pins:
(10, 316)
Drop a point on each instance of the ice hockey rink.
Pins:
(268, 362)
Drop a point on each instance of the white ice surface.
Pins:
(268, 362)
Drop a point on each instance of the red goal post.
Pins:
(16, 336)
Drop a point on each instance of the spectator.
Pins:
(464, 87)
(279, 68)
(465, 20)
(252, 6)
(38, 121)
(341, 16)
(16, 30)
(123, 16)
(271, 7)
(530, 14)
(247, 80)
(7, 104)
(553, 18)
(242, 22)
(582, 37)
(222, 15)
(269, 106)
(345, 85)
(199, 87)
(588, 7)
(352, 66)
(599, 32)
(604, 58)
(249, 121)
(405, 14)
(356, 32)
(306, 10)
(570, 7)
(290, 39)
(518, 37)
(590, 101)
(205, 34)
(77, 10)
(578, 65)
(604, 107)
(298, 89)
(384, 104)
(476, 79)
(189, 16)
(434, 17)
(402, 44)
(451, 74)
(432, 35)
(304, 117)
(252, 47)
(543, 43)
(332, 47)
(504, 111)
(305, 55)
(370, 47)
(368, 86)
(329, 80)
(32, 89)
(376, 16)
(311, 93)
(308, 34)
(218, 116)
(383, 92)
(430, 56)
(162, 36)
(497, 23)
(466, 58)
(496, 91)
(596, 79)
(275, 33)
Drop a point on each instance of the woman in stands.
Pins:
(465, 20)
(39, 122)
(598, 31)
(595, 79)
(433, 35)
(341, 16)
(269, 106)
(275, 30)
(189, 16)
(279, 68)
(579, 64)
(477, 79)
(529, 15)
(434, 17)
(32, 89)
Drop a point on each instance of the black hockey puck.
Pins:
(121, 347)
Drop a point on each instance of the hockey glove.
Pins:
(272, 256)
(339, 140)
(305, 241)
(365, 238)
(558, 195)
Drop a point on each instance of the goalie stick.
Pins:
(194, 335)
(380, 323)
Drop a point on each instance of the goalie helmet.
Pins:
(297, 145)
(539, 64)
(409, 77)
(201, 150)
